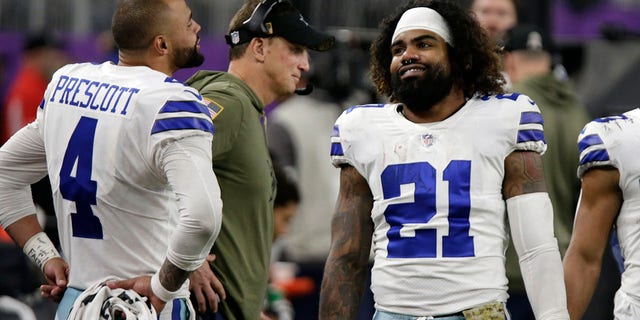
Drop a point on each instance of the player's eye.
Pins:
(397, 50)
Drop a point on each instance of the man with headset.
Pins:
(268, 54)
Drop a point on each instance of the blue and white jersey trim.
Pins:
(531, 127)
(593, 152)
(183, 115)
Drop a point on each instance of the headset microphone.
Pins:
(305, 91)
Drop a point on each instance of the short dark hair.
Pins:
(475, 64)
(136, 22)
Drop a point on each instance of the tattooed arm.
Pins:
(523, 174)
(531, 221)
(346, 267)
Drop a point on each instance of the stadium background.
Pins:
(599, 39)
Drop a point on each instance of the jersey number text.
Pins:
(424, 244)
(81, 189)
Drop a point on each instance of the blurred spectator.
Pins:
(528, 62)
(297, 135)
(496, 16)
(277, 306)
(42, 56)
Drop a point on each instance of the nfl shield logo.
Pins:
(235, 37)
(427, 139)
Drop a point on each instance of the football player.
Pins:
(436, 179)
(609, 173)
(128, 151)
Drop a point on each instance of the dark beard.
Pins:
(188, 57)
(420, 94)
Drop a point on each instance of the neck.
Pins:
(141, 59)
(439, 111)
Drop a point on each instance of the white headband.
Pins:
(423, 18)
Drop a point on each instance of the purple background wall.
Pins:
(586, 24)
(85, 48)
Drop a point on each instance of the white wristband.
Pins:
(160, 292)
(40, 249)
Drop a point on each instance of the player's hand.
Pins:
(206, 287)
(141, 285)
(56, 272)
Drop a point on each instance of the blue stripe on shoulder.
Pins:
(184, 106)
(530, 135)
(41, 106)
(531, 117)
(182, 123)
(596, 155)
(336, 149)
(587, 141)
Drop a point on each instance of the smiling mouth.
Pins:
(411, 70)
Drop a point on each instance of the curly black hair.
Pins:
(475, 63)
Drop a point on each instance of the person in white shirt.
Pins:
(128, 152)
(610, 198)
(435, 179)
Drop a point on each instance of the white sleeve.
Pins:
(187, 164)
(22, 162)
(531, 222)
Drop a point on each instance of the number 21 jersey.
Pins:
(440, 229)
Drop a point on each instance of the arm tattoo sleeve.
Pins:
(346, 267)
(523, 174)
(172, 277)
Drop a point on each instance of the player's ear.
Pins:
(257, 48)
(160, 44)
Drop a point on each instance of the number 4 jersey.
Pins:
(440, 229)
(104, 128)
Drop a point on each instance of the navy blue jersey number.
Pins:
(424, 244)
(80, 188)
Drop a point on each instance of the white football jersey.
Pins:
(615, 141)
(104, 127)
(440, 230)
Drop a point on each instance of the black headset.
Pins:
(255, 23)
(255, 26)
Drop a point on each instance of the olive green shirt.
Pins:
(243, 168)
(564, 117)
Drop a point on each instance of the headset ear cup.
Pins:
(255, 23)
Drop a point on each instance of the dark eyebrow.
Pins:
(424, 36)
(416, 39)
